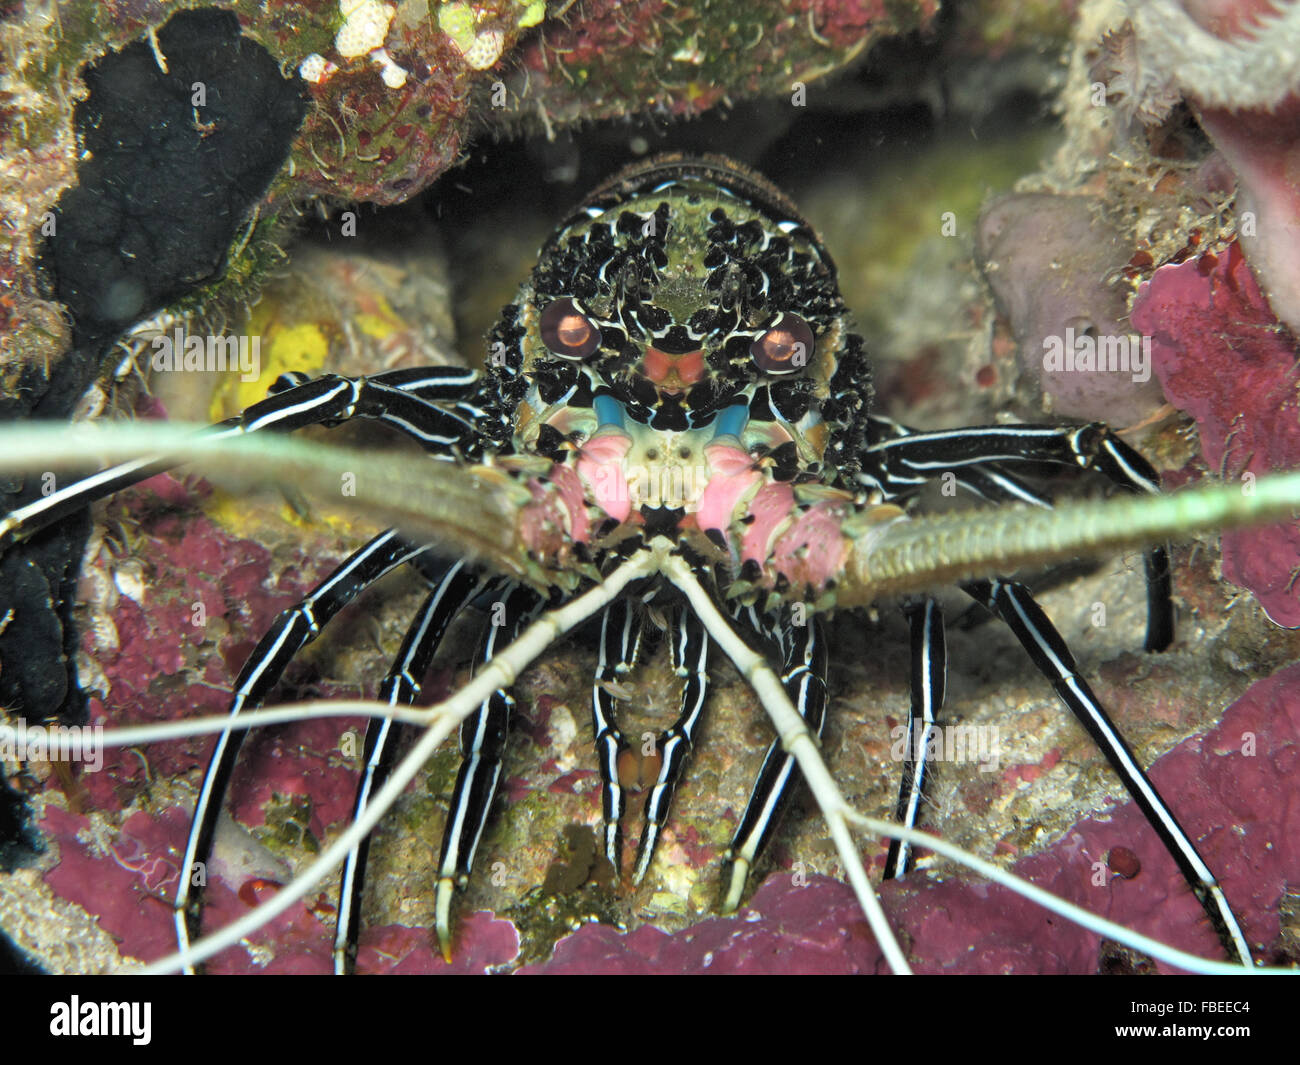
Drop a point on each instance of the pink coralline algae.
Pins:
(1222, 357)
(484, 943)
(1234, 799)
(128, 881)
(813, 928)
(125, 882)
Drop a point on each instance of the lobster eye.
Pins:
(785, 348)
(567, 331)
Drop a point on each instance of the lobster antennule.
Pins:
(919, 553)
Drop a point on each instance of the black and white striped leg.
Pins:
(458, 584)
(292, 630)
(803, 675)
(621, 627)
(690, 656)
(453, 388)
(482, 742)
(1013, 604)
(407, 400)
(440, 384)
(900, 460)
(929, 677)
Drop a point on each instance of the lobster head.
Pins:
(686, 303)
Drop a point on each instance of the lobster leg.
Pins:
(803, 675)
(292, 630)
(621, 627)
(912, 457)
(1013, 604)
(443, 384)
(901, 460)
(403, 399)
(908, 458)
(929, 674)
(482, 741)
(458, 584)
(690, 655)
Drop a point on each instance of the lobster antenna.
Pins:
(471, 508)
(912, 555)
(288, 713)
